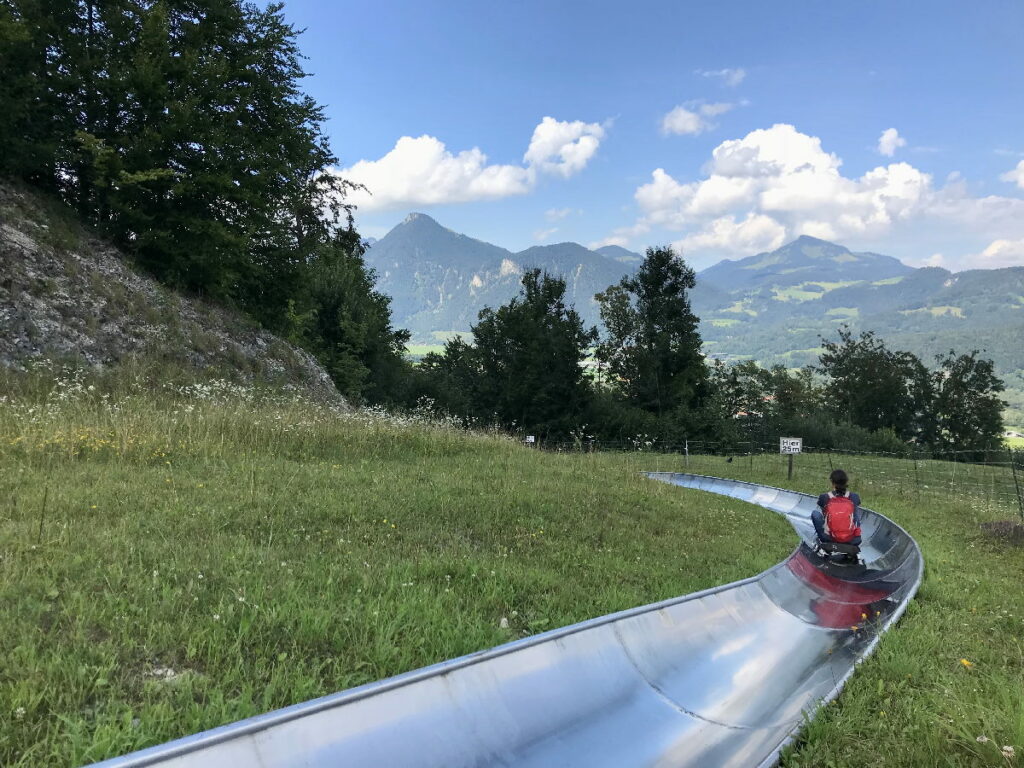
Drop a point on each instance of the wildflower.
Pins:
(1008, 752)
(864, 616)
(854, 627)
(216, 617)
(967, 663)
(982, 739)
(93, 507)
(19, 713)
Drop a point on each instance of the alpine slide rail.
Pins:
(723, 677)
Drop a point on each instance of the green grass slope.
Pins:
(916, 702)
(169, 564)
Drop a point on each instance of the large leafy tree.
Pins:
(524, 369)
(348, 325)
(652, 348)
(180, 129)
(530, 354)
(874, 387)
(968, 406)
(765, 399)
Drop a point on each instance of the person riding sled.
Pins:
(837, 517)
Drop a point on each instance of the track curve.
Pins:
(722, 677)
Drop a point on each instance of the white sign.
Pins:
(791, 444)
(531, 439)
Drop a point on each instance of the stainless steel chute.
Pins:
(723, 677)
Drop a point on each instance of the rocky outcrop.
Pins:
(65, 295)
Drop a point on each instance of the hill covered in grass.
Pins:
(173, 562)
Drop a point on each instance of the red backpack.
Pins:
(839, 523)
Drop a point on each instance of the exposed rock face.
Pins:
(68, 296)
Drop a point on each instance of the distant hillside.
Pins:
(439, 280)
(807, 261)
(773, 307)
(69, 297)
(620, 254)
(776, 307)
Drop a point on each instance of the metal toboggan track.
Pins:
(723, 677)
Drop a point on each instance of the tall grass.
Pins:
(176, 560)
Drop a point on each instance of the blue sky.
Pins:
(724, 128)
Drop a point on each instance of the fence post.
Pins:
(1016, 482)
(917, 477)
(789, 471)
(686, 450)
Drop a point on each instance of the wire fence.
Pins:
(992, 479)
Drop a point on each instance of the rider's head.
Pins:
(839, 480)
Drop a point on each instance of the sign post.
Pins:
(790, 446)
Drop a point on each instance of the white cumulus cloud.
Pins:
(1000, 253)
(610, 240)
(890, 141)
(563, 148)
(692, 118)
(543, 234)
(789, 180)
(729, 76)
(935, 260)
(755, 232)
(423, 171)
(1016, 176)
(776, 183)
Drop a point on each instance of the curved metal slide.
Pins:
(723, 677)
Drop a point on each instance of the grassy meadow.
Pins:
(946, 686)
(171, 563)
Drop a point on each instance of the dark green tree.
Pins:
(876, 388)
(180, 130)
(448, 380)
(528, 357)
(765, 402)
(347, 325)
(968, 406)
(651, 351)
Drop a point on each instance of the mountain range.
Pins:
(773, 307)
(438, 280)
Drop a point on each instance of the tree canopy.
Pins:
(180, 130)
(651, 351)
(524, 369)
